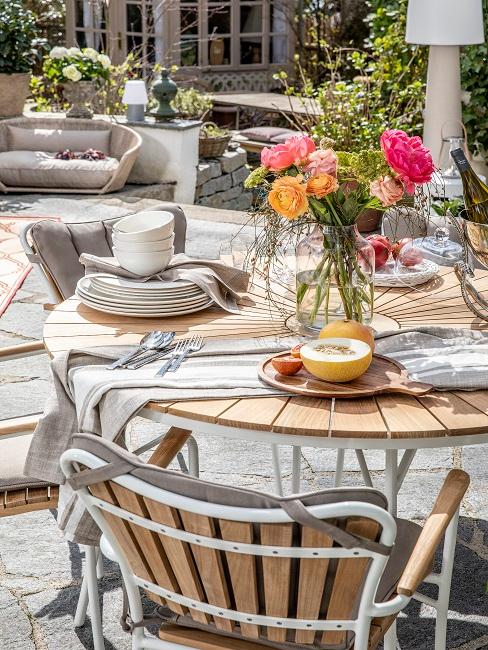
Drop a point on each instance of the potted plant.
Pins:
(213, 140)
(18, 51)
(80, 73)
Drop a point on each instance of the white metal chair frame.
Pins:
(368, 608)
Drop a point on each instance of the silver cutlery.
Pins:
(152, 341)
(149, 358)
(196, 344)
(178, 349)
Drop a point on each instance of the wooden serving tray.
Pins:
(383, 376)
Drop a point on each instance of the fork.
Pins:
(196, 343)
(178, 350)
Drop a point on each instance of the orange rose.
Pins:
(288, 196)
(321, 185)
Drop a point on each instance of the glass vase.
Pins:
(334, 278)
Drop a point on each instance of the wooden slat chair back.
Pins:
(255, 575)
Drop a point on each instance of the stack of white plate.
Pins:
(152, 299)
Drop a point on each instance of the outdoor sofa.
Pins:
(28, 147)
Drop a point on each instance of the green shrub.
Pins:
(474, 80)
(191, 103)
(19, 44)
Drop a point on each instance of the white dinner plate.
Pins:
(85, 286)
(137, 314)
(410, 277)
(141, 308)
(133, 285)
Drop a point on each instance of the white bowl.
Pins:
(144, 246)
(144, 263)
(145, 226)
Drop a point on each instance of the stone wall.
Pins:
(220, 181)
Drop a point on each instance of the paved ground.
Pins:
(40, 572)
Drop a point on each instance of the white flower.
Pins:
(58, 53)
(74, 51)
(72, 73)
(90, 53)
(465, 97)
(104, 60)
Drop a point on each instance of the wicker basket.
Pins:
(212, 146)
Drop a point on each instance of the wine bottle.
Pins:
(474, 190)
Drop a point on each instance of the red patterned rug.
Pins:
(14, 265)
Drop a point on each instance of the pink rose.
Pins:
(407, 157)
(322, 161)
(300, 146)
(387, 189)
(277, 158)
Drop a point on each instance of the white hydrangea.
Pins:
(72, 73)
(74, 51)
(104, 60)
(90, 53)
(58, 53)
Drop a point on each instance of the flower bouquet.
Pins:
(314, 188)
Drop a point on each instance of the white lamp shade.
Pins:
(135, 92)
(445, 22)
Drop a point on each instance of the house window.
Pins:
(216, 34)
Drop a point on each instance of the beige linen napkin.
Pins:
(220, 282)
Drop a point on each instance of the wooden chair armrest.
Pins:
(169, 446)
(21, 350)
(445, 507)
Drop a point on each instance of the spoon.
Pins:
(150, 341)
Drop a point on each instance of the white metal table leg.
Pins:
(275, 451)
(193, 457)
(295, 472)
(391, 479)
(93, 602)
(364, 468)
(339, 467)
(82, 605)
(391, 486)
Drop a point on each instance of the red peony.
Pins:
(408, 157)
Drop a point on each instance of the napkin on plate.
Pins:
(219, 281)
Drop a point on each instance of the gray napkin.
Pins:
(220, 282)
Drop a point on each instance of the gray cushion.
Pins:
(42, 169)
(59, 245)
(56, 139)
(266, 133)
(13, 452)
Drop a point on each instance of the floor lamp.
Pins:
(444, 25)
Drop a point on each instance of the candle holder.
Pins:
(135, 96)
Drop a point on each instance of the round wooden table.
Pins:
(386, 422)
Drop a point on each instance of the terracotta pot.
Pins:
(14, 90)
(79, 94)
(369, 220)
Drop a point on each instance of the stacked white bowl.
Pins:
(143, 242)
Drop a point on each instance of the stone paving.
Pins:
(40, 572)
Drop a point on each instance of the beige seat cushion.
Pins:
(53, 140)
(42, 169)
(13, 452)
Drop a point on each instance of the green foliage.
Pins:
(474, 80)
(191, 103)
(364, 166)
(367, 91)
(256, 178)
(47, 89)
(452, 207)
(213, 131)
(18, 38)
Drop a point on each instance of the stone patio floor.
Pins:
(40, 572)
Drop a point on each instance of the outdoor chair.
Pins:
(28, 148)
(235, 569)
(54, 248)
